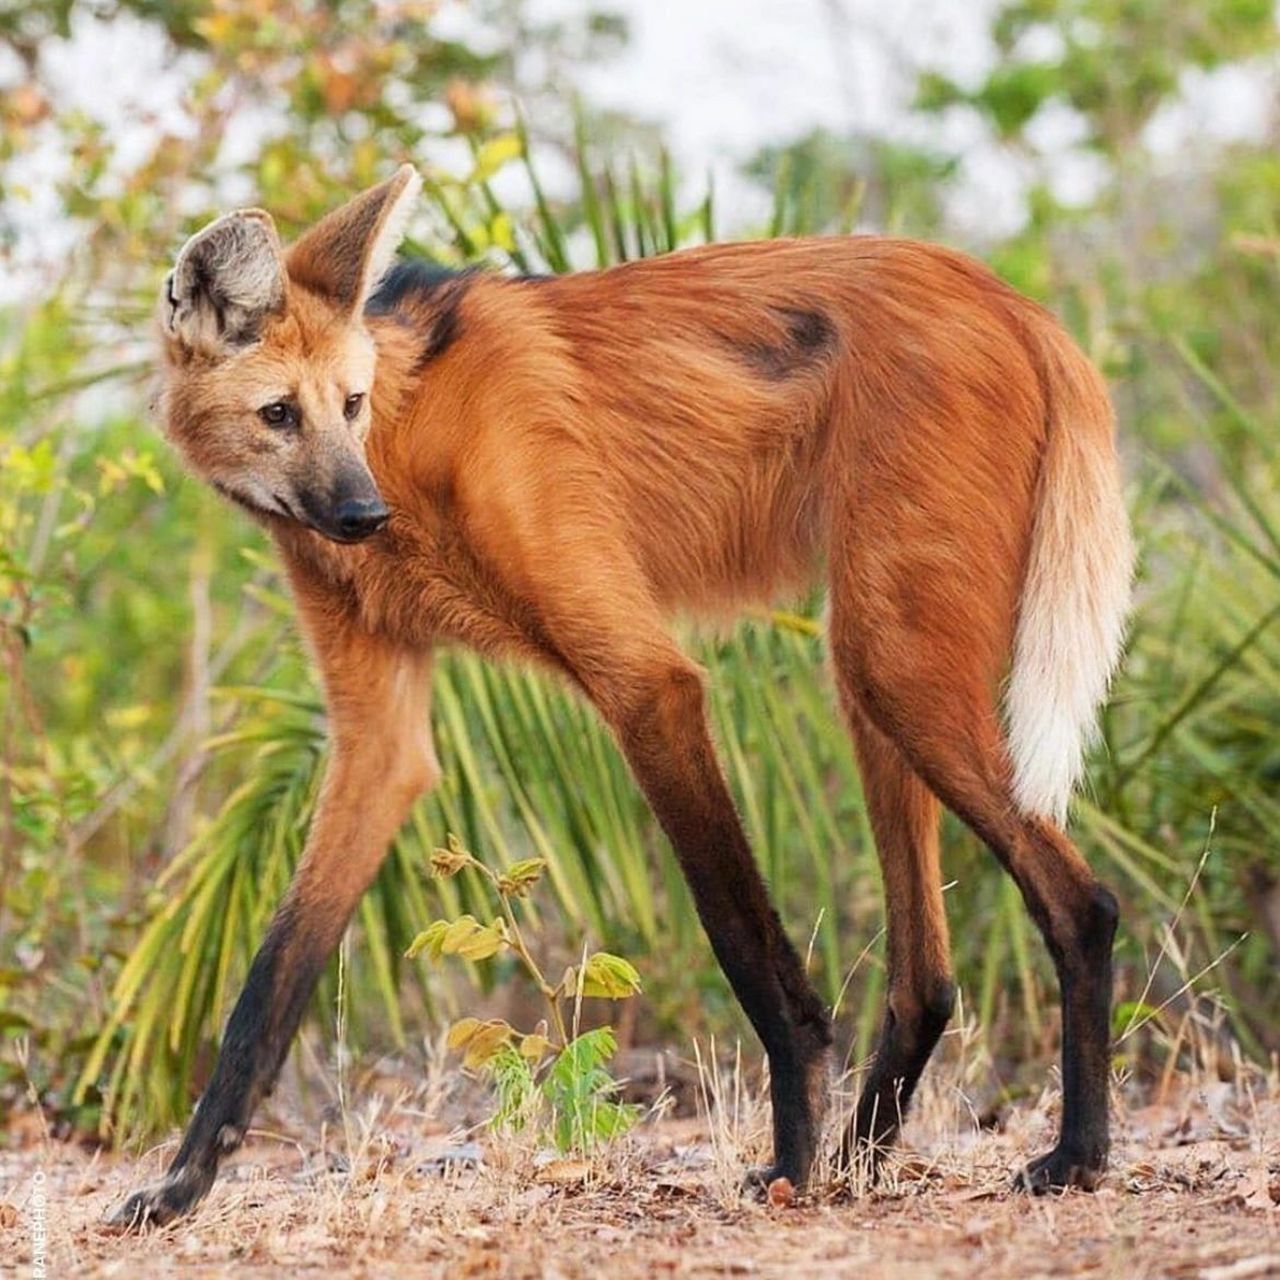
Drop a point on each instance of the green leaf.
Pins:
(429, 940)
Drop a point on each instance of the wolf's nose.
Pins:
(358, 518)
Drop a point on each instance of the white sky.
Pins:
(725, 76)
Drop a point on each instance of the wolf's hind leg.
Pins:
(904, 819)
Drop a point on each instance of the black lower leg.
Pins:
(907, 1041)
(261, 1028)
(1083, 962)
(904, 819)
(768, 979)
(669, 748)
(1077, 917)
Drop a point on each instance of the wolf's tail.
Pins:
(1071, 619)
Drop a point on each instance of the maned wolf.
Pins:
(547, 469)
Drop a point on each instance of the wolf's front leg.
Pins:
(382, 761)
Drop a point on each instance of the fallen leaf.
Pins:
(979, 1193)
(564, 1172)
(915, 1169)
(1256, 1190)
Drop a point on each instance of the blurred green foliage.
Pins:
(160, 739)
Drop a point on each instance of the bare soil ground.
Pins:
(388, 1190)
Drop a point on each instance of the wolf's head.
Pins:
(267, 365)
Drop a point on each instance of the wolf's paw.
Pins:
(160, 1204)
(1058, 1169)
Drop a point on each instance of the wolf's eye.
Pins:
(280, 413)
(352, 406)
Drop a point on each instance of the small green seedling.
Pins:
(547, 1075)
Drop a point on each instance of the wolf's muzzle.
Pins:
(360, 518)
(353, 511)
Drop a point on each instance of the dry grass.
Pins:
(393, 1187)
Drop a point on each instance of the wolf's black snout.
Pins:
(357, 518)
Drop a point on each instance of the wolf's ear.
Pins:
(349, 250)
(227, 280)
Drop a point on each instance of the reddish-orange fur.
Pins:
(598, 448)
(570, 462)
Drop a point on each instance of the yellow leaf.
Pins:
(502, 232)
(610, 977)
(129, 717)
(534, 1047)
(484, 942)
(462, 1031)
(457, 933)
(486, 1041)
(494, 154)
(214, 27)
